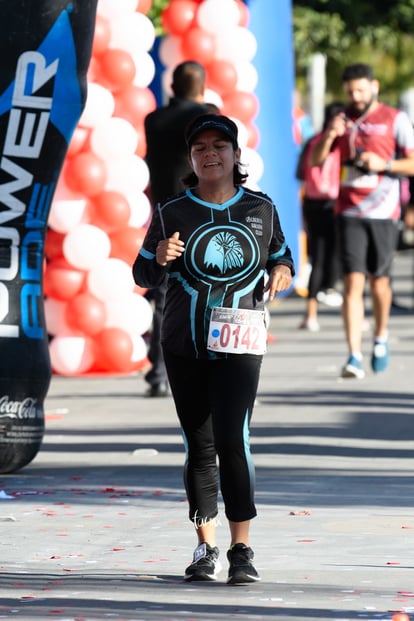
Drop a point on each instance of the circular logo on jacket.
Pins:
(222, 253)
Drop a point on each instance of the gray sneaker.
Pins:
(241, 569)
(205, 565)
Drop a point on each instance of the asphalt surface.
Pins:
(96, 527)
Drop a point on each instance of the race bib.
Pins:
(237, 331)
(355, 178)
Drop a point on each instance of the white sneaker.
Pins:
(311, 325)
(330, 297)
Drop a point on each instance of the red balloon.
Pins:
(85, 173)
(102, 36)
(54, 244)
(141, 149)
(86, 313)
(221, 76)
(61, 280)
(94, 70)
(144, 6)
(198, 45)
(111, 211)
(126, 243)
(78, 141)
(244, 13)
(117, 69)
(133, 103)
(114, 350)
(140, 290)
(253, 135)
(178, 16)
(244, 106)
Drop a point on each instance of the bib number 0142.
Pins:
(237, 331)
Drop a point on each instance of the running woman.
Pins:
(215, 241)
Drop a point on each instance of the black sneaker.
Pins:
(241, 568)
(205, 565)
(157, 390)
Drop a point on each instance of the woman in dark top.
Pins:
(215, 241)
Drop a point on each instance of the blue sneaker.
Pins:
(353, 368)
(380, 357)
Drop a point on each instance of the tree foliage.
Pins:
(345, 31)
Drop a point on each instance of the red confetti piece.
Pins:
(117, 549)
(305, 540)
(55, 556)
(393, 563)
(405, 593)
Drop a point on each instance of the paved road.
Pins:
(95, 527)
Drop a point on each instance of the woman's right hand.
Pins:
(169, 249)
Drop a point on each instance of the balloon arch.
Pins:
(96, 316)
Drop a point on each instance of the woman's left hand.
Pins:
(280, 279)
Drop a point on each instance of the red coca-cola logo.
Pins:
(18, 409)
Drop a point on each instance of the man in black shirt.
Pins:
(167, 160)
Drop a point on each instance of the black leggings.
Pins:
(214, 401)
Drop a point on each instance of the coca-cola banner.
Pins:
(45, 52)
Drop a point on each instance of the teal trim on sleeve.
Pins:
(277, 255)
(147, 255)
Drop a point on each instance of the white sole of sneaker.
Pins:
(352, 372)
(204, 577)
(243, 579)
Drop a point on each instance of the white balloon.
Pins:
(86, 246)
(55, 318)
(139, 351)
(140, 208)
(236, 45)
(110, 279)
(132, 313)
(71, 355)
(65, 215)
(99, 106)
(144, 69)
(242, 133)
(169, 52)
(253, 163)
(111, 9)
(217, 15)
(211, 96)
(115, 137)
(126, 174)
(247, 76)
(133, 33)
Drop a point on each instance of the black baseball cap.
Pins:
(212, 121)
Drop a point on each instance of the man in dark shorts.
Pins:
(376, 144)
